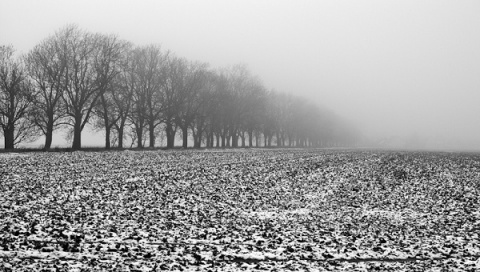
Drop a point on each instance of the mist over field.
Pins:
(403, 74)
(208, 135)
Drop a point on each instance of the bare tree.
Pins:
(280, 108)
(109, 67)
(293, 118)
(255, 104)
(151, 79)
(214, 117)
(239, 79)
(147, 98)
(206, 106)
(16, 98)
(194, 79)
(46, 67)
(90, 66)
(224, 112)
(137, 113)
(122, 97)
(106, 113)
(80, 88)
(172, 81)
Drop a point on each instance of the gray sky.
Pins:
(395, 68)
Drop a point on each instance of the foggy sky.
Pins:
(393, 68)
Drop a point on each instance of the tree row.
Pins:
(75, 78)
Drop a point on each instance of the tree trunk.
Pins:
(228, 141)
(195, 142)
(9, 134)
(120, 135)
(198, 140)
(250, 138)
(170, 135)
(151, 128)
(139, 137)
(185, 136)
(77, 134)
(106, 121)
(234, 139)
(209, 139)
(49, 135)
(107, 137)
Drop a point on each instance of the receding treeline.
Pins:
(143, 93)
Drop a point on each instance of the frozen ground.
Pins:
(311, 210)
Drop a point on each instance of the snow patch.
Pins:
(274, 214)
(393, 215)
(8, 155)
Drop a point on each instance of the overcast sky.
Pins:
(394, 68)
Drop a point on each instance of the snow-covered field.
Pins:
(311, 210)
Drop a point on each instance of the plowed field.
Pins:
(231, 210)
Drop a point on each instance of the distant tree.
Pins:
(205, 107)
(281, 109)
(270, 121)
(46, 67)
(293, 118)
(16, 98)
(234, 83)
(194, 80)
(107, 113)
(255, 104)
(151, 78)
(124, 85)
(212, 108)
(224, 115)
(147, 91)
(137, 115)
(173, 76)
(238, 78)
(106, 109)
